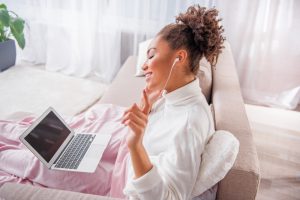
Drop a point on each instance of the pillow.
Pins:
(205, 78)
(218, 158)
(142, 57)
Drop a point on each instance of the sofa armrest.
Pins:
(242, 181)
(15, 191)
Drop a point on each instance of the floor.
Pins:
(276, 134)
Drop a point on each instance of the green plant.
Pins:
(11, 24)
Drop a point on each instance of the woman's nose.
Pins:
(145, 66)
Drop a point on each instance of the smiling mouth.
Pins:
(148, 75)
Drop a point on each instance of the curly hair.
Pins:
(198, 31)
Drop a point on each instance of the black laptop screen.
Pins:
(48, 136)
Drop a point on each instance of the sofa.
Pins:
(241, 182)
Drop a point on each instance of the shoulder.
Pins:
(199, 118)
(198, 109)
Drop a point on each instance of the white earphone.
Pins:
(164, 91)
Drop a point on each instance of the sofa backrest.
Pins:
(242, 181)
(126, 88)
(205, 79)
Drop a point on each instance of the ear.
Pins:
(182, 55)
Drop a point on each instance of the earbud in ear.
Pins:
(176, 60)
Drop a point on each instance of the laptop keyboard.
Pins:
(75, 151)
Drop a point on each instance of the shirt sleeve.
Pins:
(174, 171)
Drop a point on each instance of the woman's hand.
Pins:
(152, 97)
(137, 118)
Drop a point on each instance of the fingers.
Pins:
(147, 90)
(147, 106)
(131, 116)
(135, 127)
(136, 115)
(152, 96)
(134, 108)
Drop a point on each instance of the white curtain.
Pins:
(74, 37)
(83, 38)
(264, 36)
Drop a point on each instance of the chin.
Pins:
(151, 86)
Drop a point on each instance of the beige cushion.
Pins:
(126, 89)
(142, 57)
(217, 159)
(205, 78)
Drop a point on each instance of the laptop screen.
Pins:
(48, 136)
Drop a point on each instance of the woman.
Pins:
(173, 124)
(168, 131)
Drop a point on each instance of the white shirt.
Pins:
(179, 126)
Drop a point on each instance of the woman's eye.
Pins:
(151, 56)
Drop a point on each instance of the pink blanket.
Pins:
(18, 164)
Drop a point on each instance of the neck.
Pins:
(180, 82)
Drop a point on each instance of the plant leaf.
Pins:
(4, 17)
(2, 5)
(17, 27)
(21, 40)
(2, 36)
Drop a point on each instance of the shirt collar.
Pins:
(183, 93)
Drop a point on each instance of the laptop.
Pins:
(56, 145)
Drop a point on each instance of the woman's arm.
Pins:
(174, 171)
(136, 118)
(140, 161)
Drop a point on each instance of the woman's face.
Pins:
(158, 64)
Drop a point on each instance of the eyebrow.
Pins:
(150, 49)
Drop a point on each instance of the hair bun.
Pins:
(206, 29)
